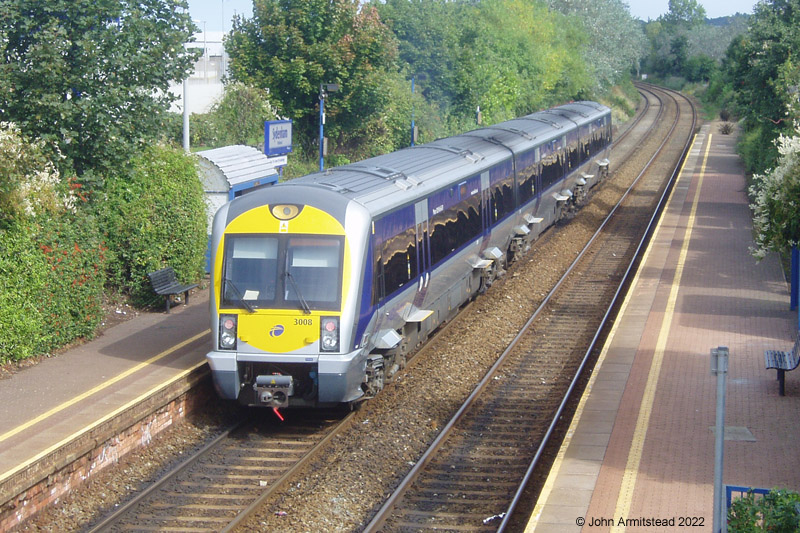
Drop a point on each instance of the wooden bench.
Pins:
(783, 362)
(165, 284)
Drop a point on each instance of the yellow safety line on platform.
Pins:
(645, 409)
(98, 388)
(96, 423)
(544, 495)
(559, 460)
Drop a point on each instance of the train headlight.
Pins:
(329, 338)
(227, 332)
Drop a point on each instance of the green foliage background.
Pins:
(508, 57)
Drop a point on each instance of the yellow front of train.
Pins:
(282, 271)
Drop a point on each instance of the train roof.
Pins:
(419, 170)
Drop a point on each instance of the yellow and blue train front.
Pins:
(281, 284)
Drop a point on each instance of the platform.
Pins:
(642, 442)
(66, 406)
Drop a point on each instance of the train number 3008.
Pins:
(303, 322)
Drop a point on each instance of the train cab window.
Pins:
(251, 265)
(313, 270)
(281, 271)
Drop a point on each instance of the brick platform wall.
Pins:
(50, 489)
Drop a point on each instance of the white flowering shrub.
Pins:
(30, 184)
(776, 205)
(52, 256)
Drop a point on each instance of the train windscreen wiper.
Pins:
(244, 302)
(303, 303)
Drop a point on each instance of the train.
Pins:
(321, 286)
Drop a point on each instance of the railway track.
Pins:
(233, 477)
(214, 489)
(472, 475)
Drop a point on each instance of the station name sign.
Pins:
(277, 137)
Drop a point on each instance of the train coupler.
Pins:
(274, 390)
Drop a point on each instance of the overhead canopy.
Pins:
(235, 165)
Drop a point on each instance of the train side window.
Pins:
(395, 249)
(501, 179)
(573, 154)
(527, 170)
(452, 226)
(399, 260)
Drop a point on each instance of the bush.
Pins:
(51, 284)
(52, 263)
(155, 216)
(775, 512)
(23, 273)
(29, 184)
(756, 147)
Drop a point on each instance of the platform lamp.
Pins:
(324, 89)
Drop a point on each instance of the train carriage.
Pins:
(322, 285)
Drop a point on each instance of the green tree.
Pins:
(615, 42)
(764, 70)
(428, 35)
(678, 48)
(236, 118)
(684, 14)
(92, 76)
(292, 47)
(508, 57)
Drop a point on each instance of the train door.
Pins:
(486, 204)
(423, 246)
(538, 179)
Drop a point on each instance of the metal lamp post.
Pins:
(413, 136)
(422, 76)
(324, 89)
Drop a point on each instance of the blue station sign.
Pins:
(277, 137)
